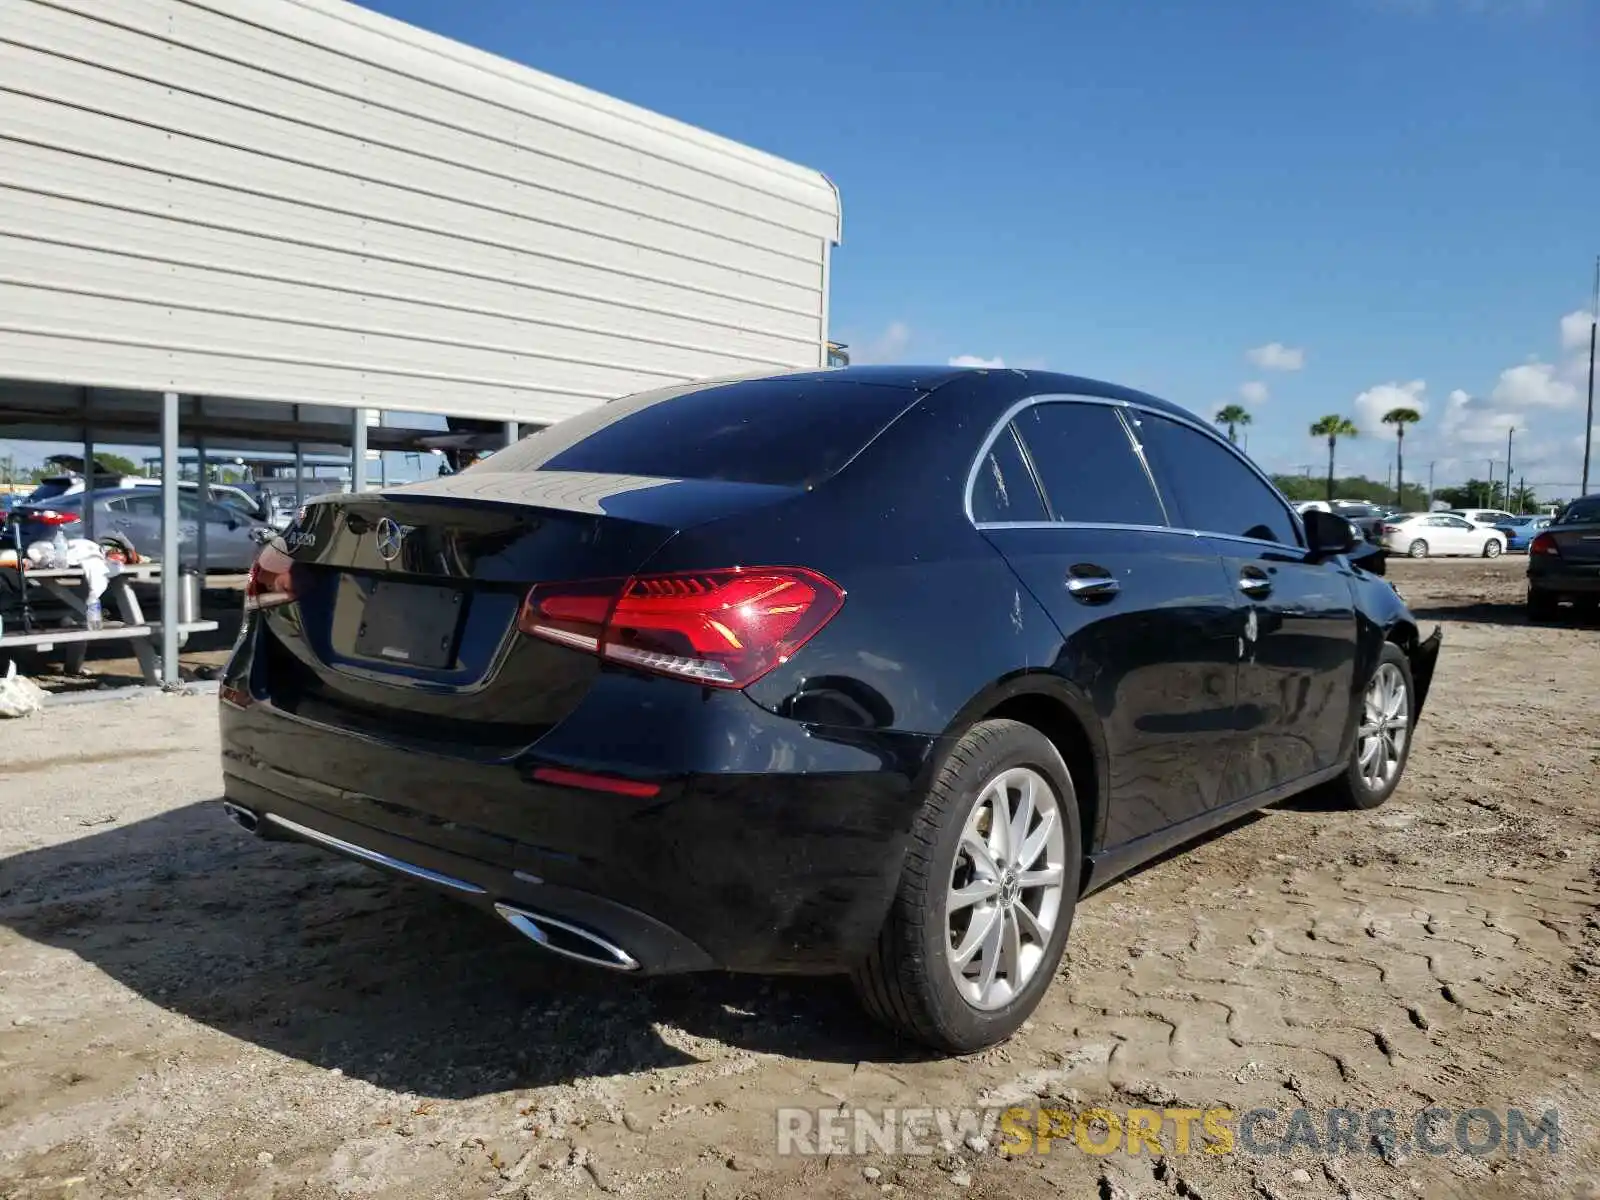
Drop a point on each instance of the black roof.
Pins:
(1007, 381)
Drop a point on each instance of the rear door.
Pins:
(1296, 680)
(1455, 535)
(228, 544)
(1149, 627)
(138, 518)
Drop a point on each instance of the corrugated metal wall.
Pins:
(302, 200)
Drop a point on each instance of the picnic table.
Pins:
(66, 585)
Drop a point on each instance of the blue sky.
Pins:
(1146, 190)
(1401, 196)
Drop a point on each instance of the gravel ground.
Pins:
(186, 1012)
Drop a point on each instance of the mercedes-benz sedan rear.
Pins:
(1564, 561)
(870, 671)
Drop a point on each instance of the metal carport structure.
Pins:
(261, 219)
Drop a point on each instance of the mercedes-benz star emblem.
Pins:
(390, 535)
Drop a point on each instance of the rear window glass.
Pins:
(48, 490)
(1003, 489)
(1582, 512)
(1087, 465)
(785, 432)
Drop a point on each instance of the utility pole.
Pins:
(1430, 487)
(1588, 420)
(1510, 433)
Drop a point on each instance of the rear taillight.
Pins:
(50, 516)
(1391, 529)
(723, 628)
(1544, 544)
(271, 579)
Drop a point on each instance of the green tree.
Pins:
(1232, 417)
(1400, 418)
(1333, 428)
(1475, 493)
(117, 464)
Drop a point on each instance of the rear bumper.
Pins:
(1562, 579)
(723, 867)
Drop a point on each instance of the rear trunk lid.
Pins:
(1578, 544)
(404, 624)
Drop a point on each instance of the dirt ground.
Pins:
(186, 1012)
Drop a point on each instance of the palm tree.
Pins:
(1333, 428)
(1233, 416)
(1400, 418)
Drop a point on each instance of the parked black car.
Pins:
(1368, 518)
(874, 671)
(1564, 561)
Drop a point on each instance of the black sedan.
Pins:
(876, 670)
(1564, 561)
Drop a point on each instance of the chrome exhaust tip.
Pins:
(567, 940)
(242, 817)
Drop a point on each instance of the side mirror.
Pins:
(260, 535)
(1328, 534)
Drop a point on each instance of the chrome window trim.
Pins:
(1144, 462)
(1019, 406)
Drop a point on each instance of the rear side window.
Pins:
(1214, 490)
(1003, 489)
(1089, 469)
(1580, 512)
(786, 432)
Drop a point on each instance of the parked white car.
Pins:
(1482, 516)
(1422, 534)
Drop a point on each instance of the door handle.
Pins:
(1253, 583)
(1092, 583)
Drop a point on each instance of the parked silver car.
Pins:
(135, 513)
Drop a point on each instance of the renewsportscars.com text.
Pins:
(1263, 1132)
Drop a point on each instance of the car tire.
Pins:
(1418, 549)
(1356, 787)
(1542, 606)
(1492, 548)
(909, 982)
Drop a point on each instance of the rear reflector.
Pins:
(595, 783)
(271, 579)
(1544, 544)
(723, 628)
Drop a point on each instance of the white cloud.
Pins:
(1533, 385)
(1375, 401)
(1472, 422)
(1254, 392)
(1575, 330)
(973, 360)
(887, 347)
(1275, 356)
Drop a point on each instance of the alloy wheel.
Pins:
(1385, 726)
(1006, 888)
